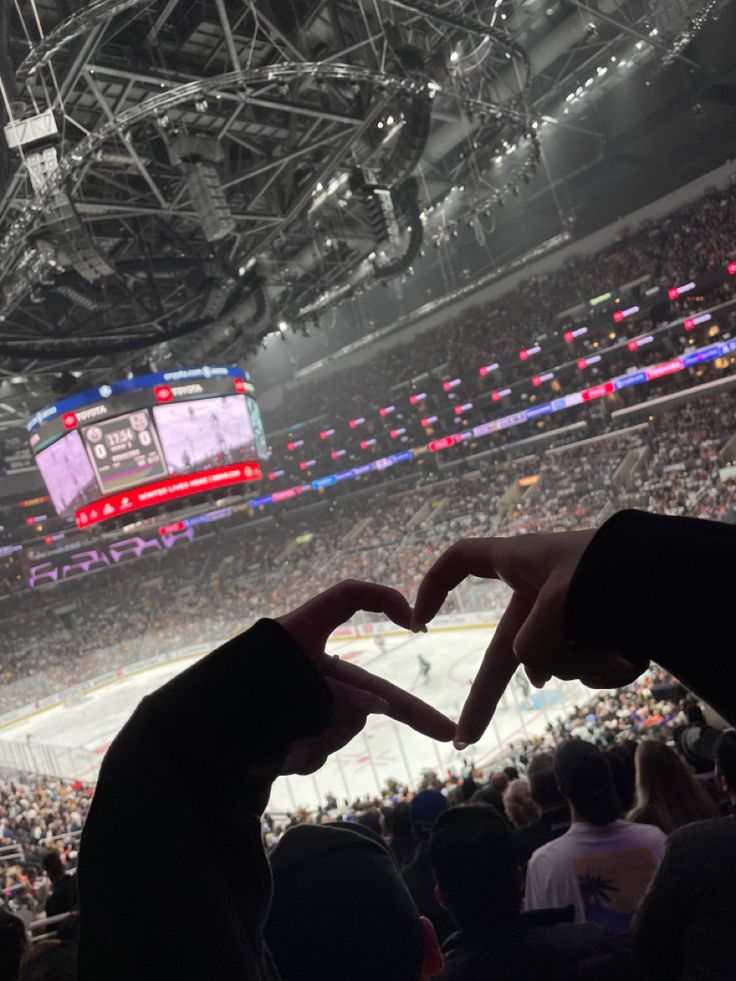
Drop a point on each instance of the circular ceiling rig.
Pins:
(232, 201)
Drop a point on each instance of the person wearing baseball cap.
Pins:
(602, 865)
(341, 910)
(424, 810)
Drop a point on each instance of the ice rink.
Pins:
(73, 737)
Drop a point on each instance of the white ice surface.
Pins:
(79, 734)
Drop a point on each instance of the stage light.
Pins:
(587, 362)
(692, 322)
(674, 291)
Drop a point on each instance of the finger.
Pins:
(351, 709)
(310, 755)
(403, 706)
(496, 670)
(541, 638)
(472, 556)
(608, 669)
(311, 624)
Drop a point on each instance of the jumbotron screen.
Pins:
(147, 440)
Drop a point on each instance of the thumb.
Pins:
(541, 637)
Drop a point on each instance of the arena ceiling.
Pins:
(180, 179)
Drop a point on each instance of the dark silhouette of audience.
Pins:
(417, 873)
(667, 793)
(368, 927)
(684, 927)
(554, 817)
(480, 882)
(602, 864)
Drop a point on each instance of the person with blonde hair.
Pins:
(667, 794)
(518, 804)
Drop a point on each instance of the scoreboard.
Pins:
(147, 440)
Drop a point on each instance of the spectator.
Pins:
(499, 781)
(13, 945)
(602, 865)
(518, 804)
(684, 928)
(63, 898)
(620, 759)
(479, 882)
(487, 795)
(401, 837)
(667, 794)
(726, 766)
(418, 876)
(372, 819)
(554, 819)
(372, 930)
(696, 741)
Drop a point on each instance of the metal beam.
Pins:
(274, 32)
(654, 42)
(229, 40)
(130, 149)
(263, 168)
(335, 117)
(334, 159)
(161, 20)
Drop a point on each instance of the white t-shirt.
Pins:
(602, 871)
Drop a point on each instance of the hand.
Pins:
(538, 568)
(356, 692)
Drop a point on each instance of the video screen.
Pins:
(125, 451)
(208, 433)
(147, 440)
(67, 471)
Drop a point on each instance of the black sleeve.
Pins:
(173, 880)
(661, 588)
(659, 923)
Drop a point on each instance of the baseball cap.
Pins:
(424, 809)
(585, 778)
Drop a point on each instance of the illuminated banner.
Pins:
(651, 373)
(94, 559)
(166, 490)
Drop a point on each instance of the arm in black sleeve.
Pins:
(662, 588)
(174, 883)
(659, 923)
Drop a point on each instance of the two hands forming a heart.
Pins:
(537, 568)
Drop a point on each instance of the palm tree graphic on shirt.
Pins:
(595, 890)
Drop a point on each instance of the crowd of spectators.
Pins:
(600, 791)
(212, 588)
(681, 247)
(649, 744)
